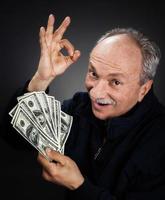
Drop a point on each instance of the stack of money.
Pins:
(39, 119)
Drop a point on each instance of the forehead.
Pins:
(118, 53)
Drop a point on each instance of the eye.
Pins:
(92, 73)
(115, 82)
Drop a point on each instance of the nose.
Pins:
(100, 89)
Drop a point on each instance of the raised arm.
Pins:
(52, 62)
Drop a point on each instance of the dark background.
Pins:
(20, 174)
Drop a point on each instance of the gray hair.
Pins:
(150, 51)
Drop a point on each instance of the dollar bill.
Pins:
(34, 105)
(52, 109)
(25, 126)
(40, 125)
(43, 99)
(58, 117)
(12, 112)
(41, 114)
(66, 123)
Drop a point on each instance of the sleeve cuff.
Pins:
(90, 191)
(87, 191)
(24, 89)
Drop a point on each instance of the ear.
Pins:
(144, 89)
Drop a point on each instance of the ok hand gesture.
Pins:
(52, 62)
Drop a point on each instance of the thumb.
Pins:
(55, 156)
(76, 55)
(72, 59)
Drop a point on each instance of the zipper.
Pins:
(100, 148)
(97, 153)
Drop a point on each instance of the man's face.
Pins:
(113, 77)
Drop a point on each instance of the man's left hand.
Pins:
(62, 170)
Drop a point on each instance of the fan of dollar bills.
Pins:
(39, 119)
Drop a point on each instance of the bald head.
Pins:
(150, 51)
(118, 51)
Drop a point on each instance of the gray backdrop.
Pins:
(19, 56)
(20, 23)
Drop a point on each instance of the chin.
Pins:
(101, 116)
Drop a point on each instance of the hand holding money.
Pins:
(39, 119)
(52, 61)
(63, 172)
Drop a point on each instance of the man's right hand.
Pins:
(52, 62)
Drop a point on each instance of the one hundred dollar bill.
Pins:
(66, 123)
(25, 126)
(44, 114)
(34, 105)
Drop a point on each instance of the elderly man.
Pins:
(116, 147)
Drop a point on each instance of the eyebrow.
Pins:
(109, 75)
(92, 67)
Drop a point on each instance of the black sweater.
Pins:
(129, 165)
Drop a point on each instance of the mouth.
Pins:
(101, 105)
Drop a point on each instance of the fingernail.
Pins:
(78, 52)
(72, 53)
(68, 19)
(48, 150)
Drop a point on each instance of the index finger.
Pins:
(48, 166)
(50, 24)
(58, 34)
(55, 156)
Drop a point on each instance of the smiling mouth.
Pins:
(103, 102)
(99, 106)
